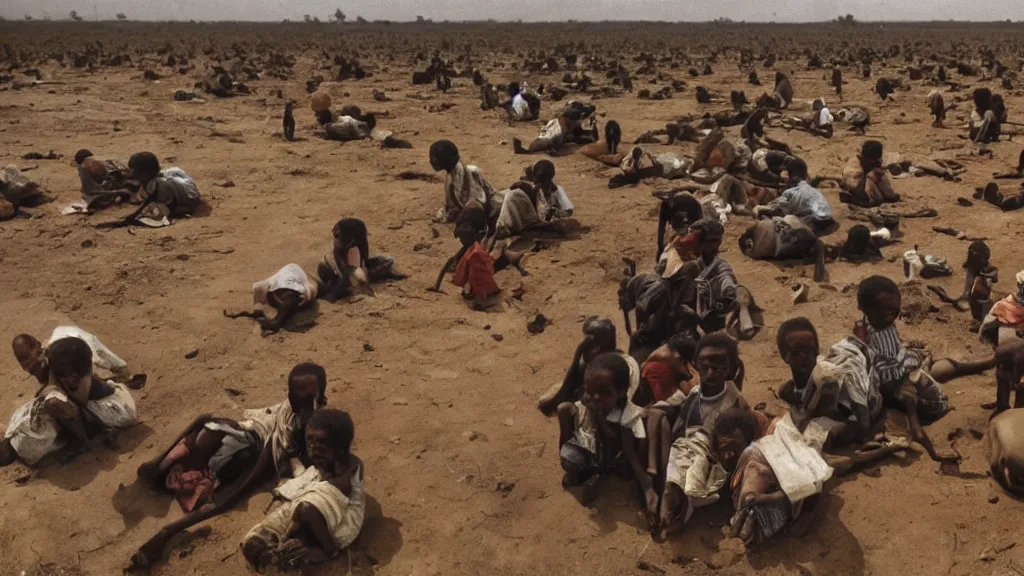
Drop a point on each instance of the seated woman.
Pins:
(567, 128)
(606, 151)
(69, 409)
(463, 183)
(348, 268)
(323, 508)
(523, 204)
(523, 106)
(287, 292)
(865, 182)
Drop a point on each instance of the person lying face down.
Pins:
(288, 291)
(323, 509)
(801, 200)
(351, 125)
(567, 128)
(865, 181)
(276, 432)
(523, 105)
(173, 192)
(348, 268)
(463, 183)
(71, 407)
(104, 182)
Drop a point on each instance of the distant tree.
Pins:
(420, 20)
(307, 18)
(74, 16)
(27, 17)
(122, 17)
(339, 16)
(316, 19)
(360, 20)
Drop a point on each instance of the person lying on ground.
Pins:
(1004, 447)
(104, 182)
(566, 128)
(348, 268)
(865, 182)
(347, 128)
(288, 291)
(70, 409)
(523, 105)
(279, 430)
(169, 192)
(31, 356)
(606, 151)
(599, 338)
(605, 428)
(323, 509)
(463, 183)
(801, 200)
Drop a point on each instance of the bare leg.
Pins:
(845, 464)
(7, 453)
(946, 369)
(673, 510)
(151, 470)
(918, 434)
(313, 523)
(69, 418)
(820, 273)
(653, 422)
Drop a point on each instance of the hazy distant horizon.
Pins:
(781, 11)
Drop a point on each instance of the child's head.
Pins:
(735, 429)
(81, 155)
(144, 166)
(70, 361)
(797, 341)
(471, 224)
(27, 350)
(606, 381)
(717, 358)
(978, 256)
(858, 238)
(711, 233)
(797, 169)
(602, 332)
(684, 210)
(683, 346)
(349, 232)
(444, 155)
(307, 389)
(544, 173)
(982, 100)
(879, 299)
(329, 436)
(871, 154)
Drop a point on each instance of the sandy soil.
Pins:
(444, 409)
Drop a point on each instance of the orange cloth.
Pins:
(1009, 312)
(477, 269)
(665, 380)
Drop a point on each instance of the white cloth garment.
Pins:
(277, 425)
(33, 433)
(344, 514)
(183, 186)
(347, 128)
(796, 458)
(464, 184)
(630, 417)
(290, 277)
(102, 357)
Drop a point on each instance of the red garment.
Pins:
(663, 379)
(477, 269)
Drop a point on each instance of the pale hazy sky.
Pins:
(527, 10)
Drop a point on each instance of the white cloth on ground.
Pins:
(344, 514)
(102, 357)
(290, 277)
(795, 458)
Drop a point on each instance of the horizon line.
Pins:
(428, 21)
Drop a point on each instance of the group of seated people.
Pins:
(320, 506)
(676, 422)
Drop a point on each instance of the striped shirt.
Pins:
(892, 362)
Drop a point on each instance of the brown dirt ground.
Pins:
(436, 376)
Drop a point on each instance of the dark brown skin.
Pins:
(589, 348)
(311, 541)
(202, 444)
(303, 392)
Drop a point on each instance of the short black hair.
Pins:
(736, 418)
(871, 149)
(310, 369)
(706, 226)
(602, 329)
(472, 218)
(615, 364)
(683, 345)
(859, 236)
(324, 117)
(797, 168)
(81, 155)
(352, 110)
(445, 149)
(543, 170)
(69, 357)
(982, 99)
(338, 425)
(353, 232)
(144, 164)
(871, 288)
(720, 339)
(685, 203)
(798, 324)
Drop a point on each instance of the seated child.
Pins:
(605, 426)
(323, 508)
(287, 292)
(598, 338)
(348, 268)
(68, 409)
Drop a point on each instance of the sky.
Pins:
(526, 10)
